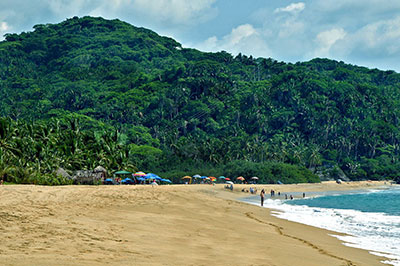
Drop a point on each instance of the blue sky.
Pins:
(360, 32)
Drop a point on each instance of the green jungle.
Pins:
(90, 91)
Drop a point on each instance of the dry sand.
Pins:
(164, 225)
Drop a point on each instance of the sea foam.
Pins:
(376, 232)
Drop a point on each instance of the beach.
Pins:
(162, 225)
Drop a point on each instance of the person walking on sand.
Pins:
(262, 197)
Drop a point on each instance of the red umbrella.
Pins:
(240, 178)
(227, 178)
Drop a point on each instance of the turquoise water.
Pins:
(370, 219)
(383, 201)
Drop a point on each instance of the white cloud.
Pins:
(3, 29)
(176, 11)
(62, 7)
(3, 26)
(379, 39)
(243, 39)
(326, 39)
(292, 8)
(291, 27)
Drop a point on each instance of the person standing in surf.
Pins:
(262, 197)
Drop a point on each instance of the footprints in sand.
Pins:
(280, 231)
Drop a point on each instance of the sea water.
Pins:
(370, 219)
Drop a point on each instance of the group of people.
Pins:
(229, 186)
(251, 190)
(262, 195)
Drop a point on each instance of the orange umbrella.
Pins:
(240, 178)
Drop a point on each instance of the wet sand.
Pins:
(164, 225)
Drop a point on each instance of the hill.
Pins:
(91, 91)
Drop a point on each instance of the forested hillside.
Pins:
(90, 91)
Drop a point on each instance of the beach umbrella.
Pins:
(109, 181)
(227, 179)
(221, 177)
(240, 178)
(254, 178)
(203, 177)
(152, 176)
(139, 174)
(212, 178)
(122, 172)
(197, 176)
(229, 182)
(141, 179)
(188, 179)
(166, 180)
(127, 181)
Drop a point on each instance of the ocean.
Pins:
(370, 218)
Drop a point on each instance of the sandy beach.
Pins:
(163, 225)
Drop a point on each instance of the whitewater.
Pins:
(370, 219)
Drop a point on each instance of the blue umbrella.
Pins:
(141, 179)
(153, 176)
(221, 177)
(166, 180)
(150, 175)
(108, 180)
(203, 177)
(127, 181)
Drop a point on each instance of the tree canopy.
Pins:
(91, 91)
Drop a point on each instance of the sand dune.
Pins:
(164, 225)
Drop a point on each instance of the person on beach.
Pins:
(262, 197)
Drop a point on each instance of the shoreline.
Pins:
(282, 208)
(164, 225)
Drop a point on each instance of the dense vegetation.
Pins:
(90, 91)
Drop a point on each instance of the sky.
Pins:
(359, 32)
